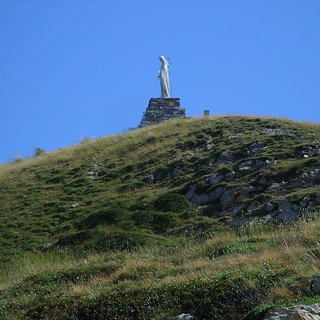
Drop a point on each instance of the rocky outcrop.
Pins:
(184, 316)
(245, 189)
(301, 312)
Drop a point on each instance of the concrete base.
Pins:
(162, 109)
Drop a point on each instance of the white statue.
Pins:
(164, 78)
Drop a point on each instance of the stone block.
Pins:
(162, 109)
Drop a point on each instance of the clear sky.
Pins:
(79, 69)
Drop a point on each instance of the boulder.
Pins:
(149, 179)
(190, 194)
(225, 158)
(230, 176)
(300, 312)
(315, 285)
(255, 148)
(269, 206)
(288, 211)
(215, 178)
(200, 199)
(275, 185)
(263, 181)
(226, 198)
(184, 316)
(216, 194)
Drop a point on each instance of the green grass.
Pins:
(103, 228)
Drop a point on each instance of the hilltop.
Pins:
(193, 215)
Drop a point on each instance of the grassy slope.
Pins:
(82, 225)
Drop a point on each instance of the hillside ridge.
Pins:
(211, 188)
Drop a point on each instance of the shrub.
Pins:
(143, 219)
(162, 221)
(157, 221)
(109, 216)
(126, 240)
(171, 202)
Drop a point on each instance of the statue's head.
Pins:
(162, 59)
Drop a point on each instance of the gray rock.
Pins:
(190, 194)
(149, 179)
(294, 184)
(46, 246)
(92, 174)
(253, 205)
(200, 199)
(240, 221)
(315, 284)
(184, 316)
(288, 216)
(245, 169)
(260, 164)
(238, 135)
(225, 157)
(288, 211)
(302, 286)
(272, 132)
(237, 210)
(274, 186)
(209, 144)
(306, 180)
(216, 194)
(301, 312)
(255, 148)
(285, 205)
(263, 181)
(243, 164)
(269, 206)
(215, 178)
(230, 176)
(226, 198)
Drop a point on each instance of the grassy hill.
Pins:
(214, 216)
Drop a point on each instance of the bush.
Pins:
(127, 240)
(159, 222)
(143, 219)
(162, 221)
(109, 216)
(171, 202)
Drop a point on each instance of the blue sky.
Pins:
(76, 69)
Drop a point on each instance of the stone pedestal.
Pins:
(162, 109)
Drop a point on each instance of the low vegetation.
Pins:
(106, 229)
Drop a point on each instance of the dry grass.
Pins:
(147, 267)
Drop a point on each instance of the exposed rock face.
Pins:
(265, 195)
(315, 285)
(184, 316)
(225, 158)
(301, 312)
